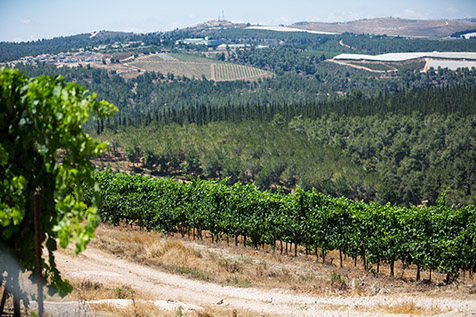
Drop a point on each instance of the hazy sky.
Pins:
(24, 20)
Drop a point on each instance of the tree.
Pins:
(44, 149)
(278, 120)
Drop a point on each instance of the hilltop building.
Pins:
(200, 41)
(223, 47)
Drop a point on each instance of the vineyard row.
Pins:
(435, 238)
(233, 72)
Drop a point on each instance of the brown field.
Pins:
(191, 66)
(188, 69)
(196, 67)
(392, 26)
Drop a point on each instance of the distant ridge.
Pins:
(392, 27)
(114, 34)
(379, 26)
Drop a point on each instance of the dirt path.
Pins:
(101, 267)
(341, 43)
(427, 65)
(212, 72)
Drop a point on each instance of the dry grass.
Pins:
(188, 69)
(244, 267)
(230, 266)
(135, 303)
(403, 308)
(174, 256)
(214, 311)
(144, 309)
(87, 290)
(148, 309)
(132, 302)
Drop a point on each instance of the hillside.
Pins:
(130, 64)
(392, 26)
(286, 74)
(381, 26)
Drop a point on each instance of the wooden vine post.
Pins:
(39, 252)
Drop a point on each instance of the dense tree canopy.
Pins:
(405, 128)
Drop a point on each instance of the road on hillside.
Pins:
(98, 266)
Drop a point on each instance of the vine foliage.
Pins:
(44, 149)
(434, 238)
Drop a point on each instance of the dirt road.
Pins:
(171, 289)
(361, 66)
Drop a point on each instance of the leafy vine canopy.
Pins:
(43, 148)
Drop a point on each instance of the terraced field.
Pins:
(197, 67)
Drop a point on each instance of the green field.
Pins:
(410, 65)
(377, 66)
(193, 66)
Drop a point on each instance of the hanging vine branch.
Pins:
(39, 118)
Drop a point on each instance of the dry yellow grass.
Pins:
(240, 269)
(87, 290)
(243, 267)
(148, 309)
(141, 303)
(143, 309)
(405, 308)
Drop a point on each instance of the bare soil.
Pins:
(361, 66)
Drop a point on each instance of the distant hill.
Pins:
(392, 27)
(215, 25)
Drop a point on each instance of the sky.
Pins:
(27, 20)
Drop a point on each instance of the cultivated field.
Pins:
(193, 66)
(225, 72)
(177, 64)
